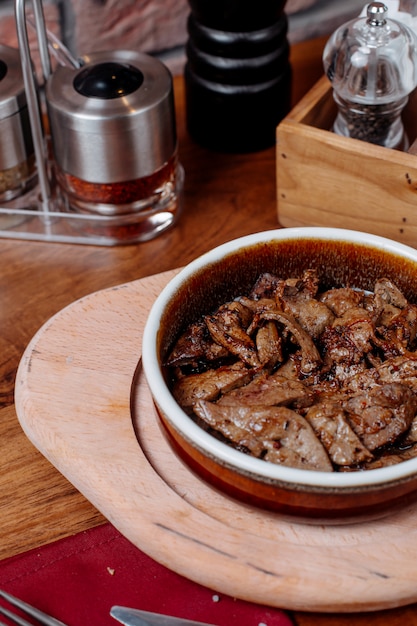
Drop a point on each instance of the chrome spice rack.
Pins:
(42, 212)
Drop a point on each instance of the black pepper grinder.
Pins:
(372, 65)
(238, 73)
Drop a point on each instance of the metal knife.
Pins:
(136, 617)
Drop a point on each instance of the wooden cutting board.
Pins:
(82, 400)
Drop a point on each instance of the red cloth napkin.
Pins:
(79, 578)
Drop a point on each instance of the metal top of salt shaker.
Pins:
(376, 14)
(12, 92)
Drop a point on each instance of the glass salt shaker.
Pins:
(17, 160)
(372, 65)
(113, 133)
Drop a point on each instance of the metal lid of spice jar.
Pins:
(15, 136)
(113, 119)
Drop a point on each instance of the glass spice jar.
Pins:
(372, 65)
(18, 173)
(114, 144)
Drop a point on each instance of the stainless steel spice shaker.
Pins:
(113, 133)
(17, 161)
(372, 65)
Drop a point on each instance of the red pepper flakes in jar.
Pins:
(126, 192)
(128, 212)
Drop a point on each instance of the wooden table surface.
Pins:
(226, 196)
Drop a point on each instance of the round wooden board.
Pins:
(82, 400)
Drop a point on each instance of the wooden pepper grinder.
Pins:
(238, 74)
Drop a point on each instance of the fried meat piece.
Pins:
(275, 434)
(305, 287)
(310, 357)
(402, 369)
(399, 334)
(344, 373)
(356, 325)
(312, 315)
(208, 385)
(228, 327)
(265, 287)
(330, 425)
(195, 345)
(270, 390)
(382, 414)
(349, 338)
(268, 343)
(386, 292)
(342, 299)
(362, 380)
(298, 298)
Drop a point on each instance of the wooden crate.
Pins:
(327, 180)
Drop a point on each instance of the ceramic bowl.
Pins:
(341, 257)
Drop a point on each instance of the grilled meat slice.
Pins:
(356, 324)
(357, 330)
(362, 380)
(341, 300)
(349, 338)
(257, 307)
(398, 336)
(268, 343)
(386, 301)
(228, 327)
(265, 287)
(305, 287)
(330, 425)
(310, 357)
(338, 348)
(275, 434)
(312, 315)
(298, 298)
(194, 346)
(401, 369)
(386, 292)
(382, 414)
(210, 384)
(273, 390)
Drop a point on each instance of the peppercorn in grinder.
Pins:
(372, 65)
(113, 134)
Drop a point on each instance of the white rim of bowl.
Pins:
(223, 452)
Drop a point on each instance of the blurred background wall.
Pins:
(158, 26)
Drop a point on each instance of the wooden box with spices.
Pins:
(327, 179)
